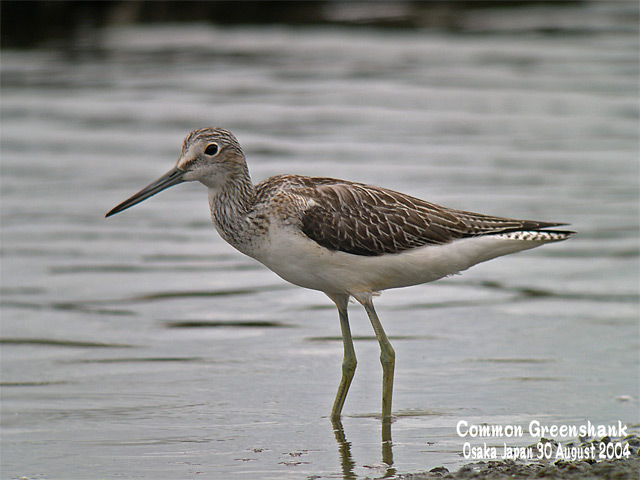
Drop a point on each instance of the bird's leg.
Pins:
(387, 450)
(387, 354)
(349, 361)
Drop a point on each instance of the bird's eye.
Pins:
(211, 149)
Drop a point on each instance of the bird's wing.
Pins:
(366, 220)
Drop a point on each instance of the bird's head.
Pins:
(211, 156)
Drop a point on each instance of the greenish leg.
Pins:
(387, 446)
(387, 354)
(349, 361)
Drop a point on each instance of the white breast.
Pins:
(301, 261)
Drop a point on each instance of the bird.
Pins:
(343, 238)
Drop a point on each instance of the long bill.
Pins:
(169, 179)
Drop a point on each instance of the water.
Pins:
(144, 346)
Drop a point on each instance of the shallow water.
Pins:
(144, 346)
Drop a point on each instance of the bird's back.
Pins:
(366, 220)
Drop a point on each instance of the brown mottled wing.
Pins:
(366, 220)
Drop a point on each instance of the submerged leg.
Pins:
(349, 361)
(387, 354)
(346, 459)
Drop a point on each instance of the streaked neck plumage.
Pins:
(230, 205)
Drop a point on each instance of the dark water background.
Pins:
(143, 346)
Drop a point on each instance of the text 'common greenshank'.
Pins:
(343, 238)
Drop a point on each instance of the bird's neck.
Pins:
(230, 204)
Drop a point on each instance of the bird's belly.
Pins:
(303, 262)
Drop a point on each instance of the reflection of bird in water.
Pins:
(343, 238)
